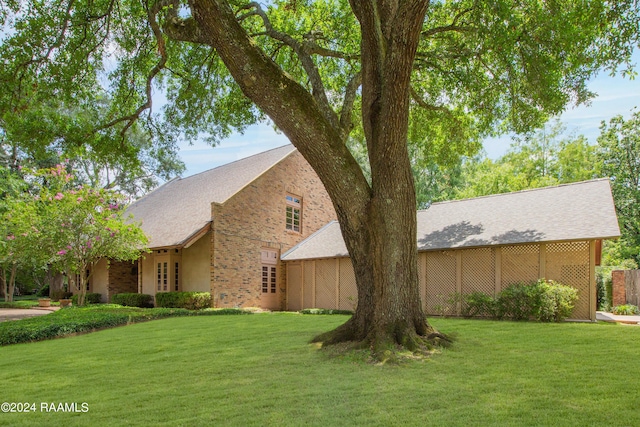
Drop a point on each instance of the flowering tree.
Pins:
(83, 225)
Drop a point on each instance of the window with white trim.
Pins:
(294, 213)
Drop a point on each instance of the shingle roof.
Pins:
(580, 211)
(181, 208)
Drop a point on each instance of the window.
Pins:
(268, 279)
(163, 275)
(293, 213)
(176, 273)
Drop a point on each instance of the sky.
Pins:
(616, 96)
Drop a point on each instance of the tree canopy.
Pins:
(436, 74)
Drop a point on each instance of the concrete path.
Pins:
(609, 317)
(23, 313)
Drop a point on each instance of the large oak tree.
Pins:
(437, 74)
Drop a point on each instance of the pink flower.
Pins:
(80, 199)
(62, 252)
(58, 196)
(89, 244)
(11, 237)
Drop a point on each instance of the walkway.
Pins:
(23, 313)
(609, 317)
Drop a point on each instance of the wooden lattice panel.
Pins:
(520, 264)
(348, 292)
(307, 284)
(326, 283)
(568, 263)
(478, 271)
(440, 283)
(422, 267)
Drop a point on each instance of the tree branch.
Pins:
(304, 54)
(347, 104)
(160, 65)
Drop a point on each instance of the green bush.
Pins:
(44, 291)
(545, 301)
(133, 300)
(188, 300)
(90, 298)
(90, 318)
(478, 304)
(61, 294)
(626, 310)
(324, 311)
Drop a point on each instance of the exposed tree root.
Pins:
(382, 344)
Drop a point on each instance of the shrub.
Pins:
(626, 310)
(324, 311)
(188, 300)
(545, 301)
(90, 298)
(44, 291)
(478, 304)
(133, 300)
(61, 294)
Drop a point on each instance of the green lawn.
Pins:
(260, 370)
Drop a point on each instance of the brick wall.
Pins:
(254, 219)
(123, 278)
(618, 286)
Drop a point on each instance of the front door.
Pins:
(269, 289)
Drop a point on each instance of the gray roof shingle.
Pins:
(181, 208)
(579, 211)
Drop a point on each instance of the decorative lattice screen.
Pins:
(568, 263)
(326, 283)
(440, 283)
(520, 264)
(348, 292)
(307, 284)
(478, 271)
(422, 267)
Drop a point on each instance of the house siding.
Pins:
(330, 283)
(253, 220)
(196, 265)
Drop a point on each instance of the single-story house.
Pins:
(223, 230)
(481, 244)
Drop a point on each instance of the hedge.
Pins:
(90, 298)
(188, 300)
(544, 301)
(133, 300)
(90, 318)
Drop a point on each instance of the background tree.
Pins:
(619, 152)
(539, 159)
(448, 72)
(42, 134)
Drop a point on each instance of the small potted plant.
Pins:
(44, 302)
(65, 302)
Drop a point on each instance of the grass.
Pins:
(72, 320)
(260, 370)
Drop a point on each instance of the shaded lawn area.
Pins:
(260, 370)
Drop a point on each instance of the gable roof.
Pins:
(180, 209)
(579, 211)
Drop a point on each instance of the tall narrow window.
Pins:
(176, 282)
(165, 275)
(159, 276)
(294, 213)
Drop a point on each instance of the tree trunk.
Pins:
(378, 221)
(55, 281)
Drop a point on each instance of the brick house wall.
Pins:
(123, 278)
(253, 220)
